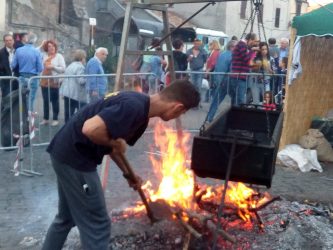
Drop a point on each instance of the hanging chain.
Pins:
(268, 124)
(247, 24)
(256, 12)
(263, 29)
(253, 18)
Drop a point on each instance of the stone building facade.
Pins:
(232, 17)
(65, 21)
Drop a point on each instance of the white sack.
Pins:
(294, 156)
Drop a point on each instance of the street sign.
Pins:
(92, 21)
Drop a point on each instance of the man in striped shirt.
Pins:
(242, 55)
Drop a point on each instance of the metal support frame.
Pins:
(159, 5)
(123, 45)
(227, 177)
(124, 40)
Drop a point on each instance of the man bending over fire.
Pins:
(101, 128)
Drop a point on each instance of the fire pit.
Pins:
(251, 218)
(288, 225)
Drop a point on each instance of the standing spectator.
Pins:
(284, 48)
(279, 97)
(146, 66)
(73, 89)
(223, 65)
(222, 43)
(214, 48)
(197, 57)
(28, 62)
(156, 62)
(96, 86)
(21, 40)
(179, 61)
(243, 53)
(6, 58)
(54, 64)
(274, 50)
(284, 52)
(263, 63)
(180, 58)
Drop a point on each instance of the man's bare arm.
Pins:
(95, 129)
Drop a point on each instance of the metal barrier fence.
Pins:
(220, 86)
(8, 84)
(35, 132)
(22, 125)
(255, 83)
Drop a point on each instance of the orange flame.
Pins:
(176, 186)
(240, 195)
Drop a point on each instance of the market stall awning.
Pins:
(318, 22)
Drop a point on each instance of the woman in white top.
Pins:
(74, 89)
(54, 64)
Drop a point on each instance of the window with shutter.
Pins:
(243, 10)
(277, 17)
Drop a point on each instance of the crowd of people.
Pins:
(24, 60)
(238, 58)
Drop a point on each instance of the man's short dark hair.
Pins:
(5, 35)
(284, 60)
(182, 91)
(177, 43)
(155, 42)
(23, 34)
(230, 44)
(271, 41)
(251, 36)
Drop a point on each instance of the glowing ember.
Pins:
(239, 197)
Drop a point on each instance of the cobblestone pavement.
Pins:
(28, 204)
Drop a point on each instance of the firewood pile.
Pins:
(204, 222)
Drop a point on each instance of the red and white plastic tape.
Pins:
(19, 142)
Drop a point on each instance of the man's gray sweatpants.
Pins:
(81, 204)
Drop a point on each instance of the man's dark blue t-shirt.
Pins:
(125, 115)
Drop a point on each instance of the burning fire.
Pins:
(176, 185)
(177, 181)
